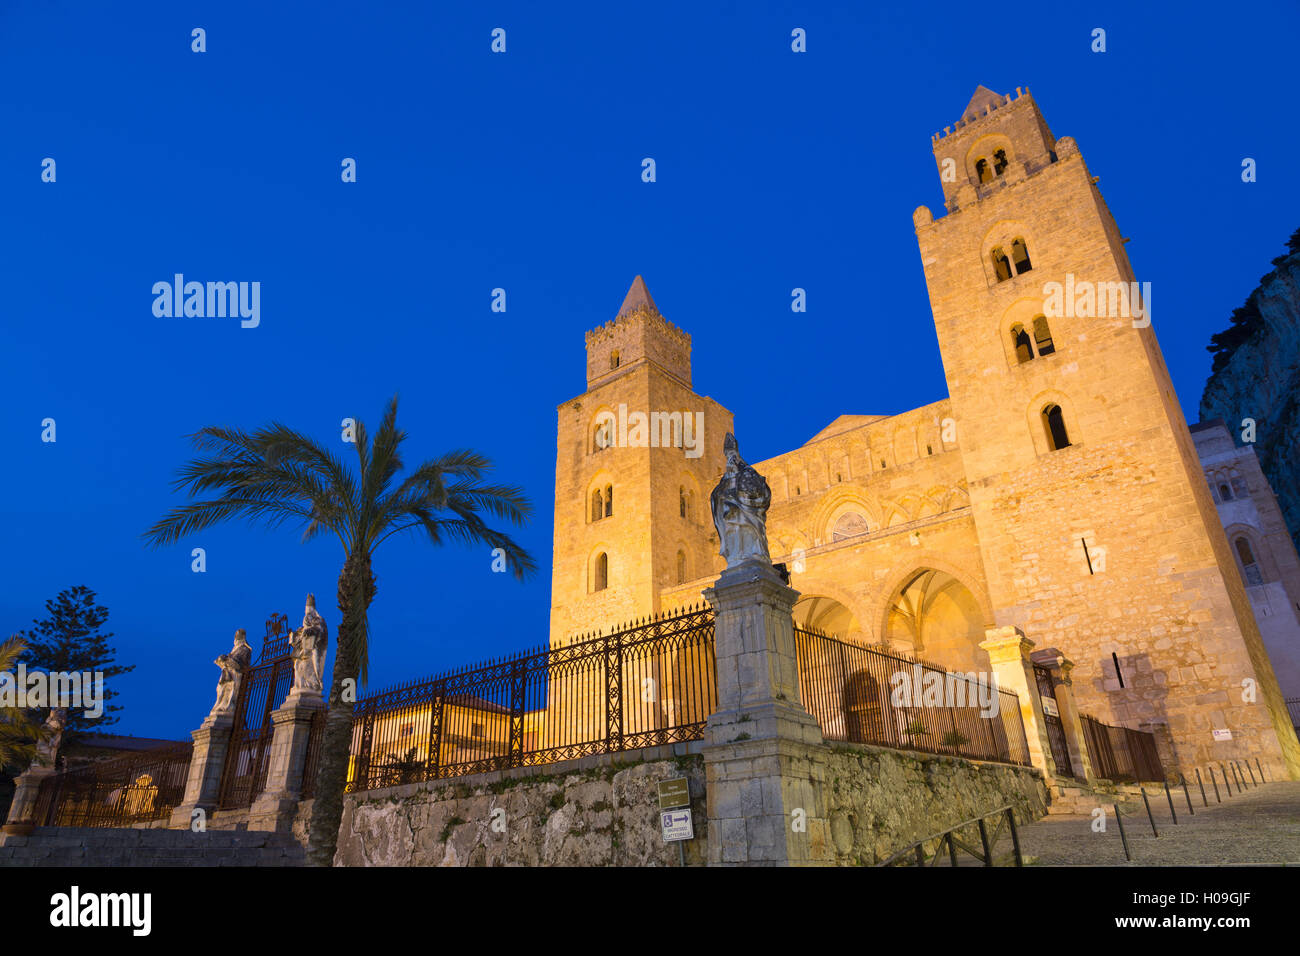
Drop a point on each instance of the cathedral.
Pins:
(1057, 488)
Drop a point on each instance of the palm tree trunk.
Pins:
(356, 589)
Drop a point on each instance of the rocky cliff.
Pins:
(1256, 374)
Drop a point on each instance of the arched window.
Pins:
(1001, 264)
(613, 359)
(681, 500)
(863, 716)
(597, 506)
(600, 572)
(999, 161)
(603, 436)
(929, 450)
(1020, 341)
(681, 567)
(1043, 336)
(1225, 493)
(1054, 422)
(1020, 255)
(1249, 566)
(609, 500)
(982, 172)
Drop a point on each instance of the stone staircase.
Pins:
(96, 846)
(1076, 798)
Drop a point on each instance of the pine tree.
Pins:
(70, 640)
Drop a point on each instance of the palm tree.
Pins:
(18, 732)
(275, 475)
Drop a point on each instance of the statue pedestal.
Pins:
(203, 784)
(765, 785)
(275, 808)
(22, 810)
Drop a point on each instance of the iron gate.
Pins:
(264, 688)
(1052, 720)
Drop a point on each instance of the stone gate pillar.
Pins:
(1008, 651)
(203, 784)
(274, 809)
(760, 743)
(22, 809)
(1076, 742)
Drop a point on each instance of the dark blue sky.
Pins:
(522, 171)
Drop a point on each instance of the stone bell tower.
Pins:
(636, 456)
(1097, 530)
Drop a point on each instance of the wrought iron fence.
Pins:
(133, 788)
(645, 685)
(864, 695)
(1121, 754)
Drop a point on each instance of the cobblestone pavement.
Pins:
(1260, 825)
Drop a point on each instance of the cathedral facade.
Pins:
(1057, 488)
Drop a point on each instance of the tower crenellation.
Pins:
(638, 333)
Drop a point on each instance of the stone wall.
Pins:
(601, 811)
(879, 800)
(597, 811)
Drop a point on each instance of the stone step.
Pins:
(92, 846)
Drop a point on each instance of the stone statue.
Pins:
(308, 644)
(233, 668)
(47, 747)
(739, 504)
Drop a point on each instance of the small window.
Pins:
(838, 477)
(929, 450)
(1225, 494)
(1043, 336)
(613, 359)
(1020, 341)
(601, 576)
(1249, 566)
(602, 438)
(1054, 421)
(999, 161)
(681, 567)
(597, 505)
(982, 171)
(609, 500)
(1020, 255)
(681, 500)
(1001, 264)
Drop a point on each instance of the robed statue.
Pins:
(47, 747)
(308, 645)
(233, 668)
(739, 504)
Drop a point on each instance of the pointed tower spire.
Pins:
(638, 297)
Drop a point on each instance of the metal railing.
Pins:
(641, 686)
(1293, 708)
(120, 791)
(1121, 754)
(915, 854)
(864, 695)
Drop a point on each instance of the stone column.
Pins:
(274, 809)
(203, 783)
(1075, 741)
(1008, 651)
(761, 747)
(22, 810)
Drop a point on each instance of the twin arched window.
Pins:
(602, 503)
(1041, 344)
(1018, 261)
(984, 172)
